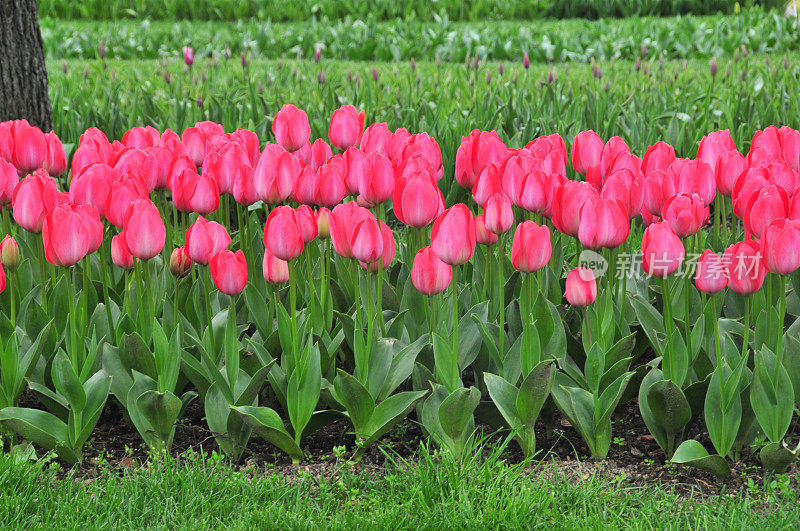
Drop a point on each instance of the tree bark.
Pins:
(23, 73)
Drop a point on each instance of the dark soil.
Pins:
(634, 459)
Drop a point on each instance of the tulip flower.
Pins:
(66, 236)
(685, 213)
(329, 188)
(141, 137)
(2, 279)
(179, 262)
(581, 287)
(33, 198)
(353, 169)
(202, 194)
(307, 221)
(387, 254)
(476, 151)
(206, 238)
(56, 160)
(93, 186)
(144, 229)
(283, 236)
(346, 127)
(276, 271)
(658, 157)
(568, 200)
(323, 226)
(9, 178)
(781, 246)
(626, 187)
(120, 254)
(366, 241)
(453, 235)
(728, 169)
(291, 128)
(30, 148)
(714, 146)
(377, 179)
(275, 174)
(587, 148)
(531, 248)
(417, 201)
(488, 182)
(94, 224)
(376, 137)
(121, 194)
(747, 184)
(662, 250)
(536, 192)
(499, 213)
(482, 234)
(693, 177)
(746, 269)
(770, 203)
(9, 253)
(229, 271)
(188, 55)
(711, 275)
(429, 274)
(603, 223)
(320, 154)
(244, 191)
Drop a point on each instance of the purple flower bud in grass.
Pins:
(500, 68)
(526, 62)
(317, 54)
(488, 76)
(713, 67)
(244, 60)
(64, 65)
(321, 77)
(188, 55)
(167, 78)
(638, 65)
(102, 50)
(374, 74)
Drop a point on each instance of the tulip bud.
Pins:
(204, 239)
(746, 270)
(229, 271)
(499, 213)
(482, 235)
(66, 236)
(603, 223)
(531, 248)
(711, 276)
(9, 253)
(276, 271)
(282, 234)
(179, 262)
(120, 254)
(323, 227)
(9, 178)
(144, 229)
(346, 127)
(188, 55)
(685, 213)
(662, 250)
(429, 274)
(453, 235)
(781, 246)
(581, 287)
(366, 241)
(307, 222)
(417, 201)
(712, 66)
(291, 127)
(526, 62)
(387, 254)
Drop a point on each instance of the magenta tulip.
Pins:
(581, 287)
(453, 235)
(711, 275)
(282, 233)
(429, 274)
(229, 271)
(347, 125)
(206, 238)
(144, 229)
(531, 248)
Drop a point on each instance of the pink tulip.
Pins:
(94, 224)
(417, 201)
(728, 169)
(30, 147)
(202, 194)
(603, 223)
(342, 220)
(283, 236)
(144, 229)
(387, 254)
(626, 187)
(229, 271)
(453, 235)
(531, 248)
(366, 241)
(120, 254)
(377, 179)
(714, 146)
(488, 182)
(499, 213)
(93, 186)
(56, 160)
(275, 174)
(276, 271)
(482, 234)
(568, 200)
(204, 239)
(141, 137)
(429, 274)
(307, 222)
(179, 262)
(33, 198)
(770, 203)
(587, 149)
(781, 246)
(188, 55)
(745, 264)
(291, 127)
(693, 177)
(329, 188)
(658, 157)
(711, 276)
(581, 288)
(686, 214)
(747, 184)
(66, 236)
(121, 194)
(320, 154)
(662, 250)
(9, 178)
(476, 151)
(346, 127)
(376, 137)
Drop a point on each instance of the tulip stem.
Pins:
(293, 308)
(105, 281)
(12, 298)
(667, 363)
(746, 338)
(454, 297)
(323, 281)
(717, 346)
(87, 272)
(501, 290)
(43, 275)
(782, 313)
(207, 300)
(175, 304)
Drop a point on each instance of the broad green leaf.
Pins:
(693, 454)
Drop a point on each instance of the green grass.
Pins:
(572, 40)
(380, 9)
(195, 493)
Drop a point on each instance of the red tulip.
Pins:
(536, 192)
(747, 185)
(30, 147)
(745, 264)
(377, 180)
(199, 138)
(499, 213)
(568, 200)
(453, 235)
(276, 271)
(320, 154)
(307, 222)
(531, 248)
(714, 146)
(711, 276)
(179, 262)
(417, 201)
(144, 229)
(387, 254)
(366, 240)
(56, 160)
(662, 250)
(223, 165)
(488, 182)
(482, 234)
(9, 178)
(657, 188)
(120, 254)
(552, 150)
(353, 169)
(93, 223)
(121, 194)
(765, 206)
(346, 127)
(728, 169)
(291, 127)
(626, 187)
(781, 246)
(658, 157)
(140, 162)
(275, 174)
(693, 177)
(329, 188)
(429, 274)
(141, 137)
(476, 151)
(93, 186)
(282, 233)
(376, 137)
(244, 190)
(603, 223)
(66, 236)
(33, 198)
(249, 141)
(9, 253)
(397, 144)
(581, 288)
(202, 194)
(342, 221)
(229, 271)
(685, 213)
(206, 238)
(613, 149)
(306, 186)
(587, 149)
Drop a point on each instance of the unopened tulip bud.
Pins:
(713, 67)
(526, 62)
(9, 253)
(581, 288)
(188, 55)
(179, 262)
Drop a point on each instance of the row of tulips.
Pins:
(347, 316)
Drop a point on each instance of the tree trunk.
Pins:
(23, 74)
